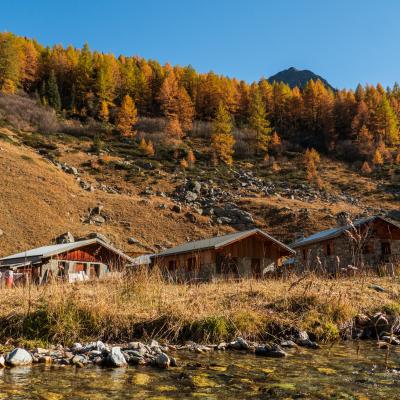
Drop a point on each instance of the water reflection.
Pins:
(339, 372)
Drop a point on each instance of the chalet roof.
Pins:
(335, 232)
(219, 241)
(52, 250)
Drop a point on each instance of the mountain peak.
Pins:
(297, 77)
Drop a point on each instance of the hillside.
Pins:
(295, 77)
(42, 195)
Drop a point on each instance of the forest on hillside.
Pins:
(361, 124)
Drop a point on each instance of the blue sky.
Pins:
(346, 42)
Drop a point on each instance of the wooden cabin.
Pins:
(372, 242)
(81, 260)
(243, 254)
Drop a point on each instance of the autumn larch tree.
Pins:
(126, 116)
(258, 121)
(176, 105)
(190, 158)
(387, 123)
(222, 140)
(104, 112)
(312, 160)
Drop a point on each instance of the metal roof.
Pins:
(335, 232)
(219, 241)
(52, 250)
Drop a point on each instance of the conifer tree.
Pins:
(312, 160)
(190, 158)
(378, 159)
(104, 112)
(387, 124)
(150, 149)
(9, 63)
(258, 122)
(183, 164)
(222, 140)
(52, 93)
(126, 116)
(365, 168)
(275, 143)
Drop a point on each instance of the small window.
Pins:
(329, 248)
(171, 265)
(191, 263)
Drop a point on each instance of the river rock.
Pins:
(45, 360)
(308, 343)
(162, 361)
(239, 344)
(19, 357)
(79, 360)
(115, 358)
(76, 347)
(288, 343)
(391, 339)
(270, 350)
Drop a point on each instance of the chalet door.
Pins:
(386, 251)
(256, 267)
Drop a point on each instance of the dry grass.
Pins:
(146, 306)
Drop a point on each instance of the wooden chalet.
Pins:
(81, 260)
(243, 254)
(368, 242)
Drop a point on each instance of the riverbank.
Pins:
(343, 370)
(143, 306)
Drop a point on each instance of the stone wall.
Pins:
(344, 254)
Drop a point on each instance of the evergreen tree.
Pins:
(222, 140)
(126, 116)
(52, 93)
(258, 122)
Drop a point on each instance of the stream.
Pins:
(345, 370)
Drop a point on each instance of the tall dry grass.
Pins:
(144, 305)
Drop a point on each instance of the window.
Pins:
(329, 248)
(171, 265)
(191, 263)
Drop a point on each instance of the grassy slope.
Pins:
(38, 201)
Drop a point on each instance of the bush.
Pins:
(26, 114)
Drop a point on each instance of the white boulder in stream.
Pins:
(115, 358)
(19, 357)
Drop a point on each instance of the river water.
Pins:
(343, 371)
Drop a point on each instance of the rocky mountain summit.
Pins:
(296, 77)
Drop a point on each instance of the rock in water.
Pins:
(19, 357)
(162, 361)
(270, 350)
(115, 358)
